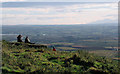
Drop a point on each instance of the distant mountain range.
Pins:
(91, 24)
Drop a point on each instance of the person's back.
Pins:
(54, 49)
(27, 40)
(19, 38)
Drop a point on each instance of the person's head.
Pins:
(20, 35)
(26, 36)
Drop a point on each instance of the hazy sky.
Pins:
(63, 0)
(50, 13)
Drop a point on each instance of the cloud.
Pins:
(63, 0)
(68, 14)
(74, 0)
(12, 0)
(67, 8)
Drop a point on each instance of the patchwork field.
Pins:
(107, 53)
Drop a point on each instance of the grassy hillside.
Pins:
(27, 58)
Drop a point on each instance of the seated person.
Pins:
(54, 49)
(19, 38)
(27, 40)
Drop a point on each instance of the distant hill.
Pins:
(22, 58)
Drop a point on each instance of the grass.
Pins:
(22, 59)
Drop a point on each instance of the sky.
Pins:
(27, 12)
(60, 0)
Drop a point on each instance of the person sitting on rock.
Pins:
(27, 40)
(19, 38)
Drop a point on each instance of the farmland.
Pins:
(78, 37)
